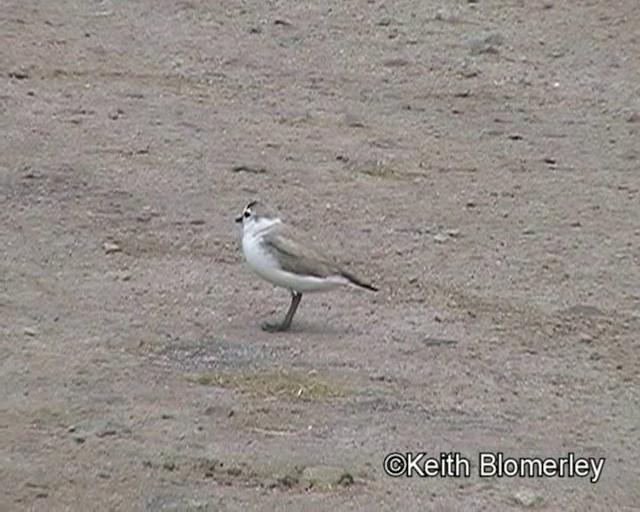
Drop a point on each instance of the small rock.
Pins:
(115, 114)
(440, 238)
(550, 161)
(468, 70)
(249, 169)
(488, 44)
(634, 117)
(325, 476)
(453, 233)
(282, 22)
(107, 432)
(526, 498)
(30, 331)
(585, 338)
(353, 120)
(434, 342)
(19, 74)
(111, 247)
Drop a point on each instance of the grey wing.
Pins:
(298, 257)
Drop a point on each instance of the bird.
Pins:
(279, 254)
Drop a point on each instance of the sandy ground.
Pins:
(479, 161)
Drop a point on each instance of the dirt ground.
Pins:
(477, 160)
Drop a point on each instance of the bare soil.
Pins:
(477, 160)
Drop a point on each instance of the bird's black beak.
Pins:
(239, 219)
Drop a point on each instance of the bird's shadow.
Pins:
(306, 327)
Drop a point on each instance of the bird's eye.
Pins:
(247, 214)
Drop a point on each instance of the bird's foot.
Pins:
(274, 327)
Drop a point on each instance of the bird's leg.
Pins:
(286, 323)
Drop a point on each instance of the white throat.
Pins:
(255, 227)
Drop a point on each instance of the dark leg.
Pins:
(284, 326)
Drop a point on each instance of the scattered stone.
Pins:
(634, 117)
(550, 161)
(381, 378)
(447, 16)
(125, 275)
(287, 481)
(115, 114)
(234, 471)
(488, 44)
(440, 238)
(516, 136)
(453, 233)
(434, 342)
(169, 466)
(526, 498)
(353, 121)
(111, 247)
(325, 476)
(30, 331)
(282, 22)
(19, 74)
(585, 338)
(248, 168)
(106, 432)
(468, 70)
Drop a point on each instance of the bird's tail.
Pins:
(353, 279)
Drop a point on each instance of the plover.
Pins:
(278, 254)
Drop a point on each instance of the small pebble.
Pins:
(526, 498)
(111, 247)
